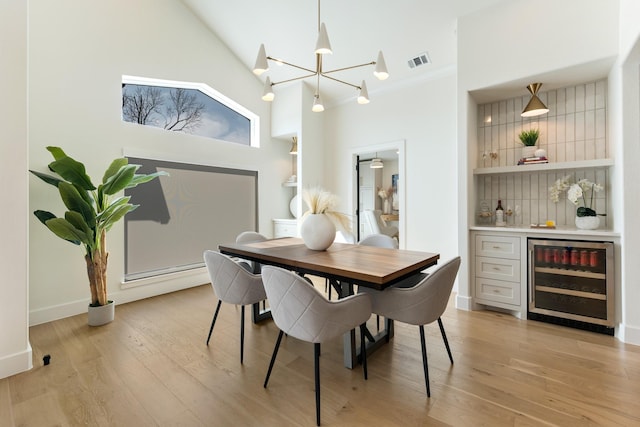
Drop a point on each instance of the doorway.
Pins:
(370, 186)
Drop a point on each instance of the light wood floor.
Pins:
(151, 367)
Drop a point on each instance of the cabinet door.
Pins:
(498, 246)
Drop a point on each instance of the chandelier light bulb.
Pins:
(323, 46)
(317, 105)
(267, 94)
(261, 62)
(380, 71)
(363, 96)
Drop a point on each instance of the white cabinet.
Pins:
(498, 271)
(285, 228)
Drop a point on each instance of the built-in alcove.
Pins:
(573, 134)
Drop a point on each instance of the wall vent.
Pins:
(419, 60)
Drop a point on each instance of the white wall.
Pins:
(424, 117)
(78, 53)
(15, 351)
(520, 38)
(627, 80)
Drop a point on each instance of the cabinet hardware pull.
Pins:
(496, 247)
(496, 268)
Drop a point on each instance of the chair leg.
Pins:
(213, 322)
(444, 337)
(424, 360)
(316, 357)
(241, 334)
(363, 349)
(327, 287)
(273, 358)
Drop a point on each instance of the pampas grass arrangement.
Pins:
(321, 201)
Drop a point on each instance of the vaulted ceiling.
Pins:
(358, 29)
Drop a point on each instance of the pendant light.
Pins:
(535, 107)
(376, 163)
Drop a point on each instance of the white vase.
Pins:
(101, 315)
(587, 222)
(318, 232)
(386, 206)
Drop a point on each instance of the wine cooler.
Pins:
(571, 283)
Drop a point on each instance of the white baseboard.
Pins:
(628, 334)
(464, 303)
(127, 293)
(16, 363)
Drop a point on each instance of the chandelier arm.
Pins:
(348, 68)
(280, 61)
(341, 81)
(294, 79)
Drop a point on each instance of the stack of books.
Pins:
(532, 160)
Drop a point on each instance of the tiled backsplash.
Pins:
(574, 129)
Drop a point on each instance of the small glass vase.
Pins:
(587, 222)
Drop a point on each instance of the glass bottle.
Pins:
(500, 215)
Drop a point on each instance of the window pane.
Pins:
(184, 110)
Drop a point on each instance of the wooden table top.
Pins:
(362, 265)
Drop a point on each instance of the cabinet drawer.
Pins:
(497, 291)
(498, 246)
(498, 268)
(284, 229)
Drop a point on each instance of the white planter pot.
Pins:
(587, 222)
(101, 315)
(528, 151)
(318, 232)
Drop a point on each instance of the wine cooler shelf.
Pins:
(571, 281)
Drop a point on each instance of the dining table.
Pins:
(345, 265)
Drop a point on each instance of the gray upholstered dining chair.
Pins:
(379, 240)
(376, 225)
(420, 304)
(232, 284)
(252, 266)
(251, 237)
(301, 311)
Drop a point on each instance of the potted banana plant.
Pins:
(91, 212)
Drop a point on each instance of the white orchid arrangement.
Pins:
(575, 193)
(321, 201)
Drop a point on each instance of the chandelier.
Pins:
(323, 47)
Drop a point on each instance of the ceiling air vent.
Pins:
(419, 60)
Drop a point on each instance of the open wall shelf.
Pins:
(580, 164)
